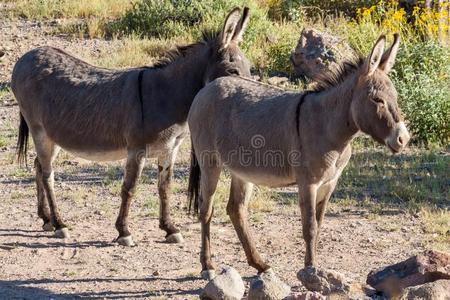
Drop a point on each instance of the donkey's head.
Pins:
(226, 57)
(374, 107)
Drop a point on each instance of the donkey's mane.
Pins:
(181, 51)
(337, 75)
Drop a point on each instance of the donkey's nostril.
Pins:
(400, 140)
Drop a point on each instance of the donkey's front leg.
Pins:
(313, 278)
(323, 195)
(133, 169)
(165, 174)
(307, 201)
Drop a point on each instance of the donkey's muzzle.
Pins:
(399, 138)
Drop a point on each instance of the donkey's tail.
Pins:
(22, 141)
(194, 182)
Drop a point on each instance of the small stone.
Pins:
(277, 80)
(437, 290)
(306, 296)
(322, 281)
(267, 286)
(155, 273)
(62, 233)
(228, 285)
(175, 238)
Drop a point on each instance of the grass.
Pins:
(437, 224)
(83, 18)
(133, 51)
(54, 9)
(411, 180)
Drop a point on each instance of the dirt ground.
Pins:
(35, 265)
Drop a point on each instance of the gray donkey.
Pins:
(270, 137)
(104, 115)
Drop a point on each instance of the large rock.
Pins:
(437, 290)
(267, 286)
(427, 267)
(228, 285)
(323, 281)
(318, 52)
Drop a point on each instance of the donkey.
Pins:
(105, 115)
(266, 136)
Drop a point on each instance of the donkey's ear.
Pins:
(229, 28)
(374, 58)
(243, 22)
(388, 58)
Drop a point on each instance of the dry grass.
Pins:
(437, 224)
(133, 51)
(83, 18)
(51, 9)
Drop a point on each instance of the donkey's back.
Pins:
(227, 116)
(78, 105)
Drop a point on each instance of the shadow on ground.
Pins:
(28, 289)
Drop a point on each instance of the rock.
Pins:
(228, 285)
(437, 290)
(318, 52)
(325, 282)
(2, 53)
(267, 286)
(426, 267)
(277, 80)
(306, 296)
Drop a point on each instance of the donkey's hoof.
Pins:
(126, 241)
(269, 272)
(208, 274)
(48, 227)
(175, 238)
(62, 233)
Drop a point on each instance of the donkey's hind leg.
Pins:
(43, 209)
(47, 151)
(208, 184)
(165, 173)
(133, 169)
(237, 210)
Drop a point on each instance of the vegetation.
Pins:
(150, 27)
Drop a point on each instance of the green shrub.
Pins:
(422, 78)
(154, 18)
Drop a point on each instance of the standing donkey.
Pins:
(105, 115)
(270, 137)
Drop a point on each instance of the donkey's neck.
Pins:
(168, 92)
(333, 107)
(187, 73)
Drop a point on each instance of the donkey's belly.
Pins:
(110, 155)
(265, 178)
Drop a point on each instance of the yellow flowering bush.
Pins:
(423, 22)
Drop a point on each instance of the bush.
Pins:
(154, 18)
(422, 78)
